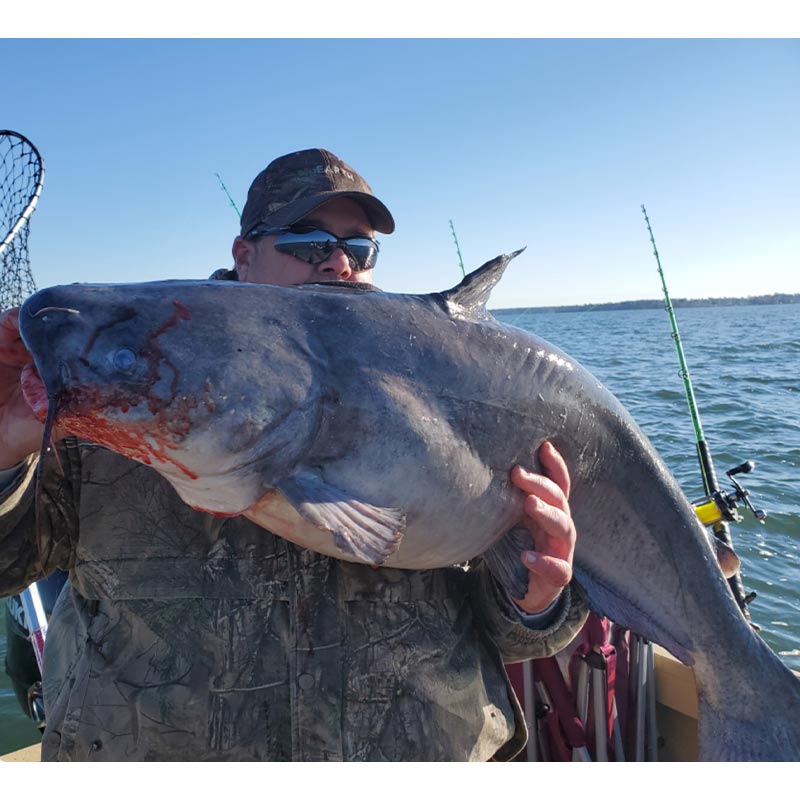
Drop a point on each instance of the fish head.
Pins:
(205, 381)
(101, 356)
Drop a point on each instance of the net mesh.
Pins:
(20, 184)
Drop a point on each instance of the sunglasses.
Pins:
(315, 246)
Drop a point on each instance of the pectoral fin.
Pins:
(367, 532)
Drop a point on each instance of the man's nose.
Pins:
(337, 264)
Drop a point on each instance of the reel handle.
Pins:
(741, 493)
(747, 466)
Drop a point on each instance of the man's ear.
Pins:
(242, 251)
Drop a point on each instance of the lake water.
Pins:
(745, 367)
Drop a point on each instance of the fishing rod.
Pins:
(228, 195)
(718, 508)
(458, 250)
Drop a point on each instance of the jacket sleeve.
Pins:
(39, 518)
(503, 622)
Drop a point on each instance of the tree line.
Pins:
(677, 302)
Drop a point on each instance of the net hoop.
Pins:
(34, 197)
(21, 181)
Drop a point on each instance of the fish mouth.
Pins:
(45, 377)
(34, 391)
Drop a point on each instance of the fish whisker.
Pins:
(55, 308)
(48, 443)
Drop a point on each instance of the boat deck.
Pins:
(32, 753)
(676, 708)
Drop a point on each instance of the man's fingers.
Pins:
(549, 520)
(9, 326)
(551, 528)
(548, 577)
(9, 318)
(534, 484)
(12, 349)
(555, 572)
(555, 466)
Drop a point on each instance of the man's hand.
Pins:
(20, 431)
(548, 518)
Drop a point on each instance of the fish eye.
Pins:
(124, 360)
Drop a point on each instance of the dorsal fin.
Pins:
(470, 296)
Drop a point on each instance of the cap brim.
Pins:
(377, 213)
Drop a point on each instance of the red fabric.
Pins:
(561, 722)
(596, 639)
(549, 673)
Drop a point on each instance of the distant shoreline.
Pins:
(677, 302)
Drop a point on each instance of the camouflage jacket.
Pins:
(183, 636)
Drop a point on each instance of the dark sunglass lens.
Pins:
(309, 252)
(314, 236)
(316, 246)
(362, 256)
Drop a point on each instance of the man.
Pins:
(189, 637)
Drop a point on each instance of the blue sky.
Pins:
(550, 144)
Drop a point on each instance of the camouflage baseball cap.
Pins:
(295, 184)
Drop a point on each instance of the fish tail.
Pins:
(759, 721)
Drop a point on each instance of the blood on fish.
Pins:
(181, 312)
(81, 411)
(155, 356)
(129, 443)
(124, 317)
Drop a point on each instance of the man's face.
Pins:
(259, 262)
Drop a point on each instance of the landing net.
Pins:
(21, 177)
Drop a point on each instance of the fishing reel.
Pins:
(724, 506)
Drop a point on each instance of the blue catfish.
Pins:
(381, 428)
